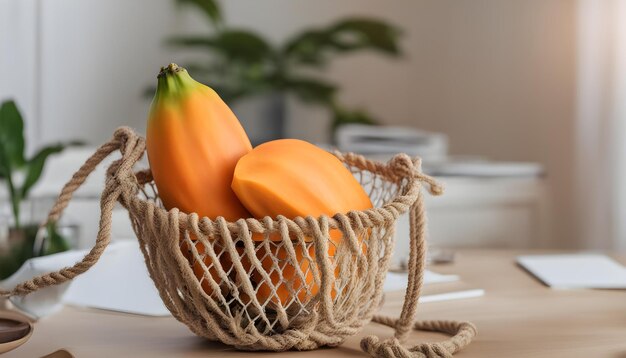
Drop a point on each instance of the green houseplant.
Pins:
(243, 64)
(20, 174)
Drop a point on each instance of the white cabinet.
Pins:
(483, 212)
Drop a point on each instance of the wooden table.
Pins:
(518, 317)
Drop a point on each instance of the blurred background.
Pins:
(517, 106)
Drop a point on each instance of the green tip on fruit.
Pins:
(174, 82)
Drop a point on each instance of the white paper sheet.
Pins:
(576, 271)
(452, 295)
(397, 281)
(118, 282)
(437, 287)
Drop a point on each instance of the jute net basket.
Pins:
(307, 283)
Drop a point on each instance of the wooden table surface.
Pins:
(518, 317)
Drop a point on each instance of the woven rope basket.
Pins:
(278, 283)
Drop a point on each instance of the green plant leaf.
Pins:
(343, 116)
(210, 8)
(9, 263)
(34, 167)
(309, 47)
(192, 41)
(11, 137)
(363, 33)
(311, 90)
(11, 151)
(5, 167)
(313, 47)
(55, 242)
(234, 45)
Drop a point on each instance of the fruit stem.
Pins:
(170, 69)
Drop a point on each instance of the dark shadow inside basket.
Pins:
(271, 280)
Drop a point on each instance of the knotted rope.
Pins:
(218, 299)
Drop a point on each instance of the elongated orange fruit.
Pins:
(194, 142)
(293, 178)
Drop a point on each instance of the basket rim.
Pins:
(400, 170)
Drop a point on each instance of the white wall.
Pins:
(97, 58)
(18, 56)
(497, 76)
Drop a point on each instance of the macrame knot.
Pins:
(392, 348)
(131, 147)
(123, 135)
(402, 165)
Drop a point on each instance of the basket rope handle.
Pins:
(132, 147)
(462, 332)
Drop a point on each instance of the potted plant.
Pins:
(242, 64)
(20, 174)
